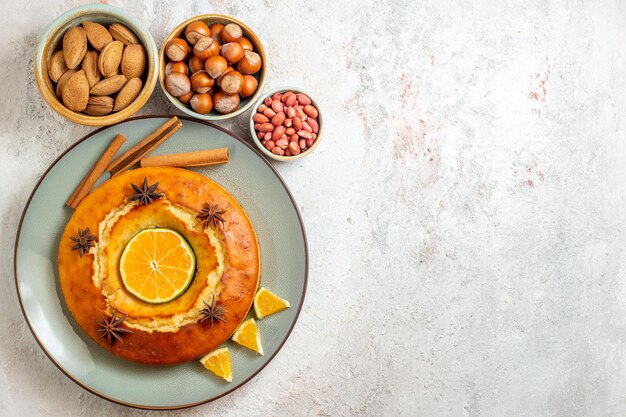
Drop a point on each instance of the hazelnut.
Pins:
(201, 82)
(206, 47)
(195, 31)
(180, 67)
(177, 49)
(216, 31)
(250, 85)
(215, 65)
(250, 63)
(218, 80)
(246, 44)
(196, 64)
(202, 103)
(177, 84)
(186, 98)
(232, 33)
(232, 51)
(224, 103)
(232, 82)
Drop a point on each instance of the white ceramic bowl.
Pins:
(257, 141)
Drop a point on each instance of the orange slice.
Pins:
(218, 362)
(248, 335)
(157, 265)
(266, 303)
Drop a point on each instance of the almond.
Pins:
(110, 58)
(63, 80)
(98, 35)
(74, 46)
(133, 61)
(128, 94)
(123, 34)
(56, 66)
(99, 105)
(109, 85)
(90, 66)
(75, 93)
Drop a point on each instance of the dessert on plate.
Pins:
(159, 265)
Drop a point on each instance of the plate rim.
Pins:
(182, 406)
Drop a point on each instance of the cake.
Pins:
(159, 265)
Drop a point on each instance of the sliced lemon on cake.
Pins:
(248, 335)
(218, 362)
(157, 265)
(267, 303)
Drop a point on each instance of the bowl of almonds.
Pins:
(286, 124)
(96, 65)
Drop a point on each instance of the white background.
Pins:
(464, 209)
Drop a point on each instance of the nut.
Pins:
(177, 49)
(177, 84)
(232, 51)
(133, 61)
(123, 34)
(128, 94)
(196, 64)
(109, 85)
(215, 65)
(74, 46)
(250, 85)
(90, 66)
(232, 82)
(98, 35)
(250, 63)
(99, 105)
(62, 81)
(224, 103)
(75, 93)
(56, 66)
(246, 44)
(195, 31)
(231, 33)
(205, 47)
(202, 103)
(202, 83)
(216, 31)
(110, 58)
(176, 67)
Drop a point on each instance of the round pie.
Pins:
(159, 265)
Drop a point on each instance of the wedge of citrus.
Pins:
(248, 335)
(218, 362)
(266, 303)
(157, 265)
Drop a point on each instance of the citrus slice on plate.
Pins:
(248, 335)
(157, 265)
(218, 362)
(266, 303)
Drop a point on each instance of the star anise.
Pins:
(145, 194)
(111, 328)
(212, 312)
(211, 214)
(84, 241)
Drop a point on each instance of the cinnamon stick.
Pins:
(188, 159)
(98, 169)
(147, 145)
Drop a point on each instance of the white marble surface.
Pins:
(464, 210)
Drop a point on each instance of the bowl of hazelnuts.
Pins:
(212, 67)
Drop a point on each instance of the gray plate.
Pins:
(284, 268)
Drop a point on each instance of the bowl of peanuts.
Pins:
(286, 124)
(212, 67)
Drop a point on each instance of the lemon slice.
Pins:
(248, 335)
(218, 362)
(157, 265)
(267, 303)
